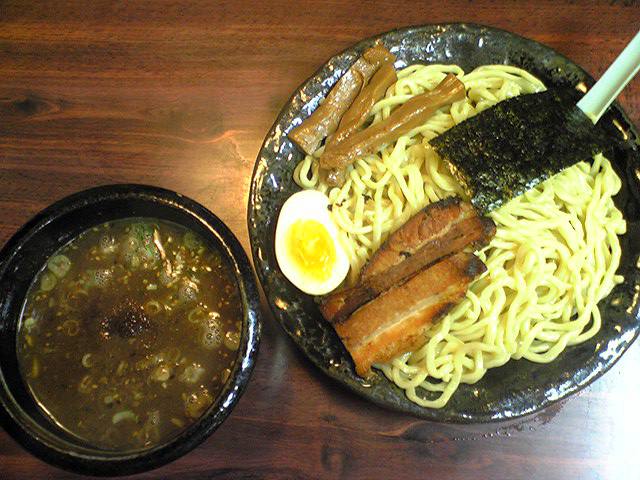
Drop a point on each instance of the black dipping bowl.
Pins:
(27, 252)
(520, 387)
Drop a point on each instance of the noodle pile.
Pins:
(553, 257)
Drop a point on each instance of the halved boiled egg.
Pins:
(307, 246)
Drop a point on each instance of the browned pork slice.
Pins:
(439, 230)
(394, 322)
(431, 223)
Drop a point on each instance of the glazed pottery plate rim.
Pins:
(93, 460)
(278, 132)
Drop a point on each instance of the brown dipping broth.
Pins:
(129, 332)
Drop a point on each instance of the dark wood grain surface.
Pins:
(180, 95)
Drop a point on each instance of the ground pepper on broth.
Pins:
(129, 332)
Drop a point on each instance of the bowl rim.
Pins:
(93, 461)
(359, 46)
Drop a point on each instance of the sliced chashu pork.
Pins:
(394, 322)
(440, 229)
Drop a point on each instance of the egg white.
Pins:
(309, 205)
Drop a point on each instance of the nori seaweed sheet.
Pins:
(508, 149)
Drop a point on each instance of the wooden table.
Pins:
(180, 95)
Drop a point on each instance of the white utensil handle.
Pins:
(605, 91)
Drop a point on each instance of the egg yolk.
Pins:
(312, 248)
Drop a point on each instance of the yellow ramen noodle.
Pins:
(553, 258)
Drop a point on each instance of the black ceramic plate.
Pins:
(519, 387)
